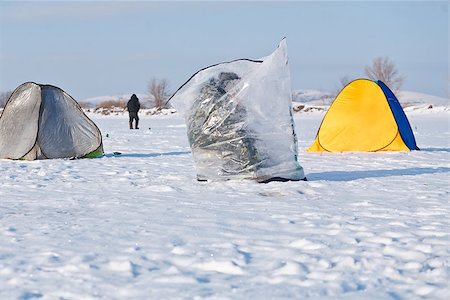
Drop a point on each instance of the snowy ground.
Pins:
(139, 225)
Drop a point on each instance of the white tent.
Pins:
(43, 121)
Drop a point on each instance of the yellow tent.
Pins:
(365, 116)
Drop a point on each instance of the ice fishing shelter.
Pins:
(365, 116)
(43, 121)
(239, 120)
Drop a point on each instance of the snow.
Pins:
(139, 225)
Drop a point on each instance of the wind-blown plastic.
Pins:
(239, 120)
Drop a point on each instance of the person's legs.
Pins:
(130, 114)
(136, 118)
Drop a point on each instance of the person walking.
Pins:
(133, 107)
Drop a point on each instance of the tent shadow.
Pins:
(144, 155)
(435, 149)
(355, 175)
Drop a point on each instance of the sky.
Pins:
(97, 48)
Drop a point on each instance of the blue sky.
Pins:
(115, 47)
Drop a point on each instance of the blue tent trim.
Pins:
(404, 127)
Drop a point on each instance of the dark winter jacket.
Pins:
(133, 104)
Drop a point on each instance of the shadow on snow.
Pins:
(435, 149)
(144, 155)
(354, 175)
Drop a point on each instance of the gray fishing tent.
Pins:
(43, 121)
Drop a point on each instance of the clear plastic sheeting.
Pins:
(239, 120)
(42, 121)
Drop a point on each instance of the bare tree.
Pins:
(121, 103)
(4, 96)
(344, 80)
(159, 90)
(384, 69)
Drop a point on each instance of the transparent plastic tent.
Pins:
(43, 121)
(239, 120)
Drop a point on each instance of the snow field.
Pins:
(139, 225)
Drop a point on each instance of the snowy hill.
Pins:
(406, 98)
(310, 100)
(312, 97)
